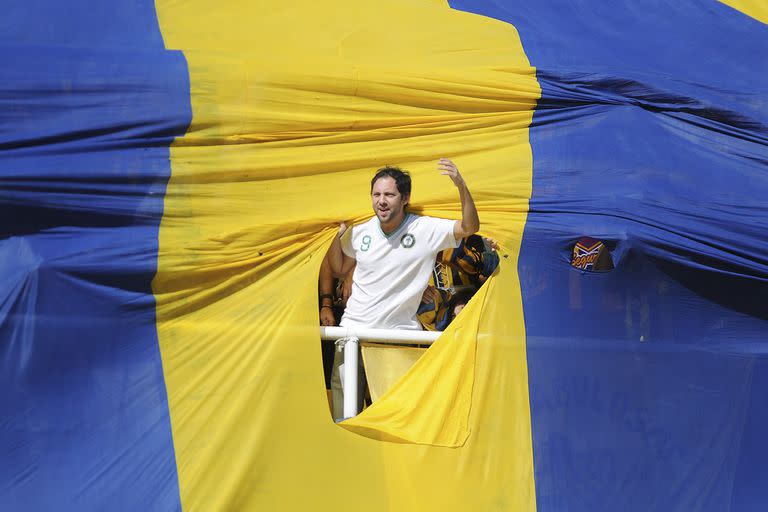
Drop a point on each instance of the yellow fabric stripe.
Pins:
(294, 105)
(386, 364)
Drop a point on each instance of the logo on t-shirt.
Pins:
(591, 254)
(407, 240)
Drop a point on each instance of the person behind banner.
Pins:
(394, 252)
(463, 269)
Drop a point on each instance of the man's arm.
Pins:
(470, 221)
(339, 262)
(325, 288)
(346, 287)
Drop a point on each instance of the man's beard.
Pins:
(391, 214)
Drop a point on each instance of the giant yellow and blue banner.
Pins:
(172, 173)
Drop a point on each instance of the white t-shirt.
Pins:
(392, 270)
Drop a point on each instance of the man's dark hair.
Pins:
(401, 177)
(462, 297)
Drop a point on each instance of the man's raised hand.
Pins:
(470, 221)
(448, 168)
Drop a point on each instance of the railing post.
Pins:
(350, 384)
(346, 398)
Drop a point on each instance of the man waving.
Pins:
(395, 251)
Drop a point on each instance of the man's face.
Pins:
(387, 202)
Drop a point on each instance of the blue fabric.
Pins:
(89, 102)
(647, 383)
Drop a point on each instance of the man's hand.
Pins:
(449, 169)
(470, 221)
(429, 295)
(326, 317)
(346, 287)
(490, 242)
(338, 261)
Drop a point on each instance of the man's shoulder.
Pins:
(364, 226)
(428, 222)
(427, 218)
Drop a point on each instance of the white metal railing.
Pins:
(382, 335)
(349, 338)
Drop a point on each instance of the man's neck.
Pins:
(392, 226)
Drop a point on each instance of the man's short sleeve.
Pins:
(346, 243)
(441, 236)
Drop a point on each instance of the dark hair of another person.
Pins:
(401, 177)
(459, 298)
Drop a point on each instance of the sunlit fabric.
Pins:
(90, 102)
(386, 364)
(172, 174)
(647, 383)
